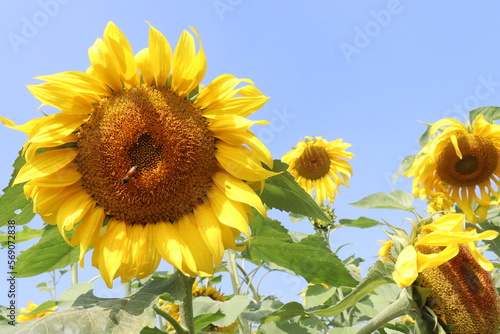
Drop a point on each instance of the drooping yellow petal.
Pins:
(169, 244)
(56, 127)
(406, 272)
(26, 128)
(87, 233)
(425, 261)
(79, 82)
(211, 232)
(46, 163)
(229, 212)
(63, 98)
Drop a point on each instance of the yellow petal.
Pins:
(160, 57)
(66, 176)
(220, 89)
(405, 271)
(229, 212)
(80, 82)
(210, 231)
(121, 51)
(240, 162)
(239, 106)
(104, 65)
(87, 233)
(425, 261)
(238, 190)
(46, 163)
(169, 244)
(26, 128)
(64, 98)
(72, 210)
(56, 127)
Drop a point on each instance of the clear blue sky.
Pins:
(364, 72)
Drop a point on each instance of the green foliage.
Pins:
(283, 193)
(230, 309)
(379, 274)
(24, 235)
(49, 253)
(13, 204)
(361, 222)
(305, 255)
(490, 113)
(397, 199)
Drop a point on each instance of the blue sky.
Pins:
(365, 72)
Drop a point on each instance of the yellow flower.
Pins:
(460, 163)
(31, 306)
(320, 165)
(384, 253)
(200, 291)
(141, 149)
(446, 232)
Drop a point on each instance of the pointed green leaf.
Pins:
(286, 312)
(379, 274)
(317, 295)
(490, 113)
(395, 200)
(93, 315)
(287, 328)
(306, 255)
(361, 222)
(49, 253)
(202, 321)
(231, 308)
(283, 193)
(13, 204)
(24, 235)
(405, 165)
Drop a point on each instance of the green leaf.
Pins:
(287, 328)
(283, 193)
(149, 330)
(361, 222)
(490, 113)
(256, 311)
(49, 253)
(70, 295)
(379, 274)
(231, 308)
(94, 315)
(307, 256)
(317, 295)
(14, 206)
(395, 200)
(286, 312)
(20, 236)
(202, 321)
(405, 165)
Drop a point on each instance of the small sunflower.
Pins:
(461, 163)
(200, 291)
(384, 253)
(23, 316)
(320, 165)
(447, 233)
(142, 162)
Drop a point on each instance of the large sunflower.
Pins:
(140, 149)
(320, 165)
(460, 164)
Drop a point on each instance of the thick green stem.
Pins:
(186, 307)
(178, 328)
(74, 274)
(399, 307)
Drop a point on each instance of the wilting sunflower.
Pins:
(320, 165)
(448, 234)
(140, 149)
(460, 163)
(200, 291)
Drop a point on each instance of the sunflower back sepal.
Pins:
(490, 113)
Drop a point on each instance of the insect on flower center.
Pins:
(478, 163)
(314, 163)
(146, 155)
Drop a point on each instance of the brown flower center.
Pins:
(146, 155)
(314, 163)
(479, 161)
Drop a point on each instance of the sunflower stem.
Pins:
(74, 274)
(235, 281)
(178, 328)
(128, 289)
(399, 307)
(186, 307)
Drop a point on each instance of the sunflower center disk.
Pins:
(479, 161)
(314, 163)
(146, 155)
